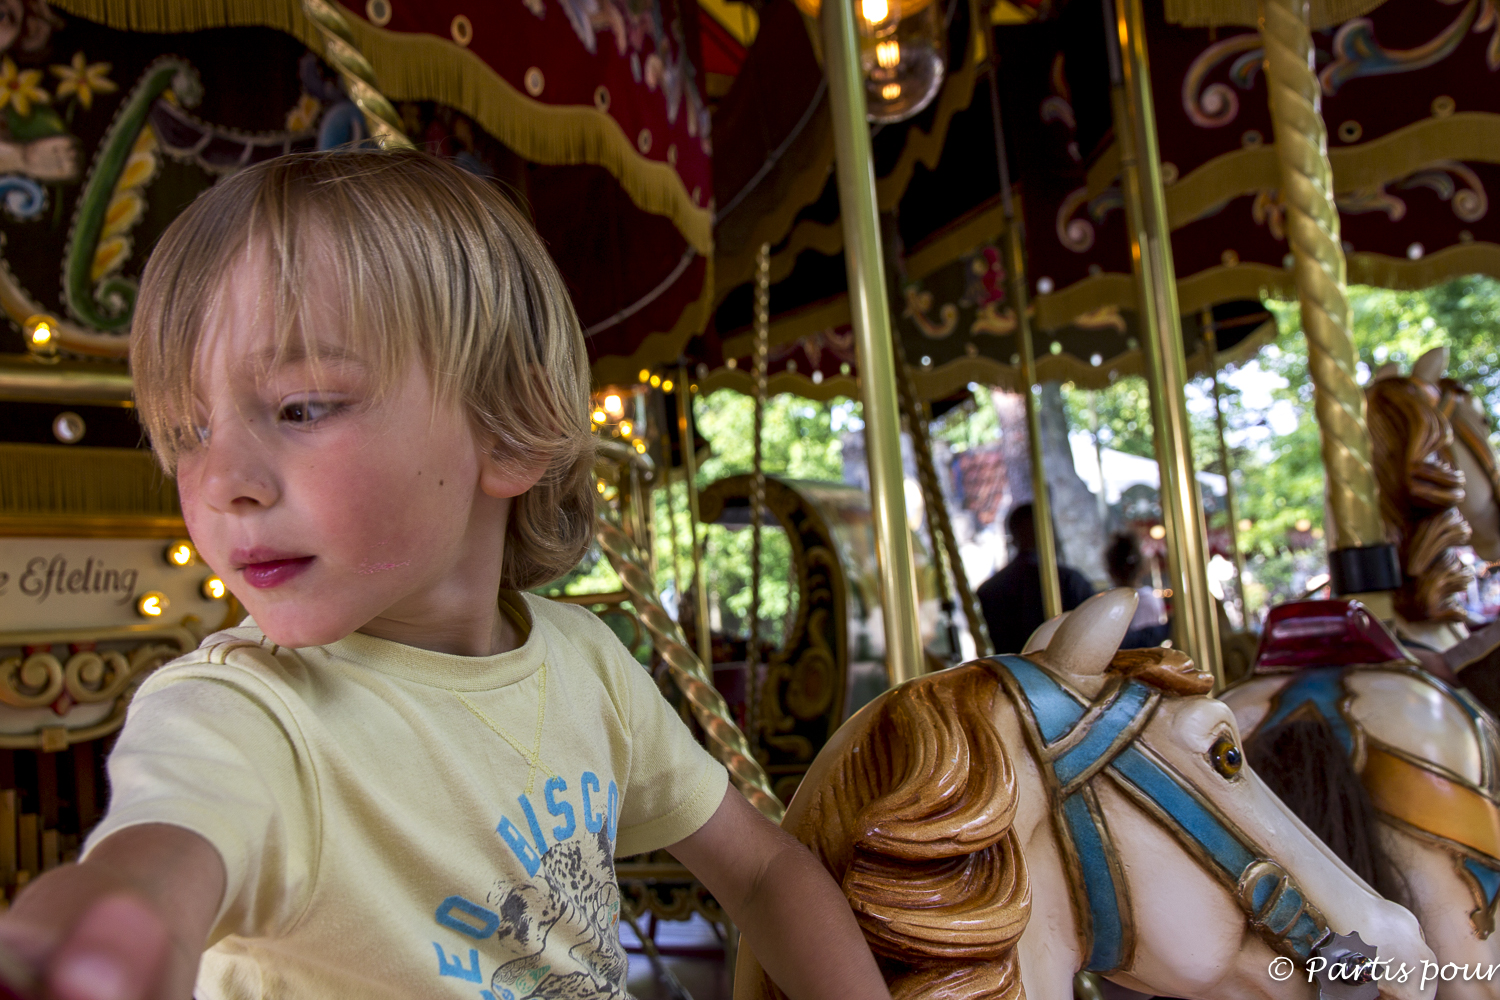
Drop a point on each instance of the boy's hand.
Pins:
(127, 924)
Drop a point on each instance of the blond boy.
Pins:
(365, 373)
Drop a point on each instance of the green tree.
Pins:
(800, 440)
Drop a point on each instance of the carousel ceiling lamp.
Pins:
(903, 52)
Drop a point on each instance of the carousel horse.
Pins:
(1439, 489)
(1002, 825)
(1387, 763)
(1393, 768)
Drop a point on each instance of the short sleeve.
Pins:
(212, 754)
(674, 785)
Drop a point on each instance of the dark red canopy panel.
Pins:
(1411, 98)
(1412, 102)
(593, 112)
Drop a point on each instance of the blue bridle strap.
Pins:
(1075, 741)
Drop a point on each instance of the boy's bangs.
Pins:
(312, 266)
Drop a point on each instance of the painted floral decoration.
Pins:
(82, 79)
(19, 88)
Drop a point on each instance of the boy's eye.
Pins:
(306, 411)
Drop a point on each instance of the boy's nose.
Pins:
(232, 470)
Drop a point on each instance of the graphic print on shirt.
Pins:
(573, 903)
(557, 928)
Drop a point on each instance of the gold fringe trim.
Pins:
(38, 480)
(771, 210)
(1206, 288)
(921, 147)
(1472, 136)
(955, 375)
(795, 383)
(1439, 266)
(1246, 13)
(826, 239)
(419, 67)
(794, 326)
(1240, 172)
(927, 147)
(661, 348)
(1467, 135)
(984, 225)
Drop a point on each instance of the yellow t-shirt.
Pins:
(396, 822)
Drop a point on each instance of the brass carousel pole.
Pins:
(690, 477)
(1360, 560)
(1231, 507)
(1195, 625)
(1015, 273)
(871, 318)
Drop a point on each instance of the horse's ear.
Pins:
(1388, 370)
(1430, 366)
(1086, 639)
(1043, 634)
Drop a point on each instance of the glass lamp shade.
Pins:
(904, 59)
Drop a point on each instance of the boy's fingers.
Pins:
(118, 951)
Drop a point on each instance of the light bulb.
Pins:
(666, 385)
(180, 554)
(891, 91)
(625, 428)
(645, 374)
(153, 604)
(213, 588)
(888, 56)
(613, 405)
(875, 11)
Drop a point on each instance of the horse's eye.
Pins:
(1227, 758)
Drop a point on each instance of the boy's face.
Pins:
(325, 506)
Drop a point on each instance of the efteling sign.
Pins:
(59, 583)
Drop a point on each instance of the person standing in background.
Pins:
(1012, 598)
(1127, 563)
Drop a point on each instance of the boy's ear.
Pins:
(503, 476)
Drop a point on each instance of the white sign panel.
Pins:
(60, 583)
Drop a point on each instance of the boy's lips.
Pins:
(270, 569)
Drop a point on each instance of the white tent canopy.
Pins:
(1122, 471)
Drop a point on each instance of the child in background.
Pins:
(402, 776)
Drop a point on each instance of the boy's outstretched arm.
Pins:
(784, 902)
(129, 923)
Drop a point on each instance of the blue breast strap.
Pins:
(1074, 742)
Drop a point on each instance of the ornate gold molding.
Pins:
(89, 676)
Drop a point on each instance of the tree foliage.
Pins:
(1275, 443)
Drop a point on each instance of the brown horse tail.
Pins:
(914, 821)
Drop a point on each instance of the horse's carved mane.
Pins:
(914, 822)
(1420, 491)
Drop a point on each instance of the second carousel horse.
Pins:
(1002, 825)
(1392, 767)
(1419, 814)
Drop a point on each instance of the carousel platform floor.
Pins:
(692, 953)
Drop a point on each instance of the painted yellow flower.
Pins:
(18, 88)
(84, 79)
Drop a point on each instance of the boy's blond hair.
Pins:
(430, 262)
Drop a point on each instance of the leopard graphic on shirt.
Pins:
(573, 892)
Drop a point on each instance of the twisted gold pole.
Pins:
(356, 72)
(709, 708)
(945, 543)
(1312, 227)
(753, 691)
